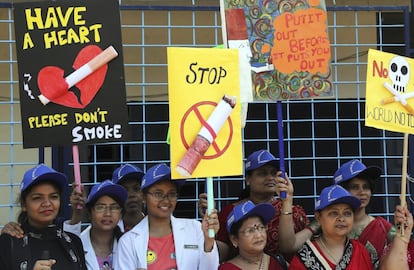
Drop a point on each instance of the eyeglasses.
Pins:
(252, 230)
(101, 208)
(159, 196)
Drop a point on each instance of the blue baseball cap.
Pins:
(354, 168)
(157, 173)
(109, 188)
(336, 194)
(260, 158)
(41, 173)
(127, 171)
(247, 209)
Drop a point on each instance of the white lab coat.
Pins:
(188, 242)
(90, 256)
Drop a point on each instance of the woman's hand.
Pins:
(44, 264)
(202, 204)
(210, 222)
(284, 185)
(14, 229)
(77, 201)
(77, 197)
(403, 220)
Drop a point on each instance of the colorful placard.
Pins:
(204, 109)
(289, 44)
(71, 75)
(389, 92)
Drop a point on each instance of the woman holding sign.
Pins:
(128, 176)
(334, 210)
(400, 254)
(161, 241)
(262, 180)
(375, 233)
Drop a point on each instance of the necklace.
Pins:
(325, 247)
(258, 262)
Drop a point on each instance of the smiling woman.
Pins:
(375, 233)
(334, 210)
(161, 241)
(45, 245)
(263, 178)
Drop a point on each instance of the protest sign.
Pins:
(71, 78)
(204, 94)
(289, 45)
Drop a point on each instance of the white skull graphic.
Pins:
(399, 72)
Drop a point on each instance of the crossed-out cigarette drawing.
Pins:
(206, 136)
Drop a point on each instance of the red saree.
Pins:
(273, 265)
(375, 237)
(272, 247)
(310, 256)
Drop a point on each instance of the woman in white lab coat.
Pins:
(161, 241)
(100, 239)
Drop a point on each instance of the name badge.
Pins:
(191, 246)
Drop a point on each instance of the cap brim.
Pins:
(115, 191)
(131, 175)
(354, 202)
(275, 163)
(59, 178)
(373, 173)
(167, 177)
(264, 210)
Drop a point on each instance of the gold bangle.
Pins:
(287, 213)
(403, 239)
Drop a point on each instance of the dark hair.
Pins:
(117, 232)
(22, 216)
(245, 193)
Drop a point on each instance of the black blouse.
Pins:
(21, 254)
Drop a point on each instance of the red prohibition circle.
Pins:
(194, 109)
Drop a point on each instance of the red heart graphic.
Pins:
(55, 88)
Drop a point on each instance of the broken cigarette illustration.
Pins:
(84, 71)
(206, 136)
